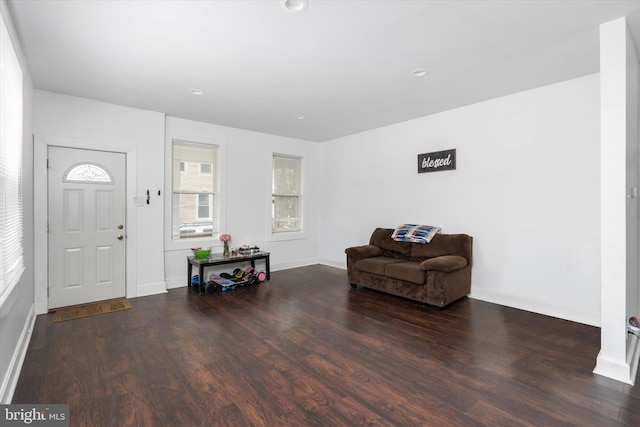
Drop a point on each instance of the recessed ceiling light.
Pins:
(294, 6)
(299, 116)
(419, 72)
(196, 91)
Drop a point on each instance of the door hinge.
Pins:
(47, 163)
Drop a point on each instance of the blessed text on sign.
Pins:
(437, 161)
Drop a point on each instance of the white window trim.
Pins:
(281, 236)
(197, 216)
(221, 179)
(14, 113)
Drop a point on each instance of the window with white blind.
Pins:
(11, 229)
(286, 197)
(195, 207)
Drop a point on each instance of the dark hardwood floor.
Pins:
(306, 350)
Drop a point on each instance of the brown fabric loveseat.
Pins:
(435, 273)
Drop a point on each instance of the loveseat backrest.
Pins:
(444, 244)
(381, 237)
(441, 244)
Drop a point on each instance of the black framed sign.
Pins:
(437, 161)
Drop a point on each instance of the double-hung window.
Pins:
(286, 197)
(195, 207)
(11, 227)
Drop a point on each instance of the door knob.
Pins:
(120, 237)
(120, 226)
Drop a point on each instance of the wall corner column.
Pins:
(619, 224)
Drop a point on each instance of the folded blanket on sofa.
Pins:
(415, 233)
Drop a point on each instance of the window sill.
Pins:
(196, 242)
(286, 235)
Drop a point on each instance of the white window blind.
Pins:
(11, 229)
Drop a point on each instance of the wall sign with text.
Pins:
(437, 161)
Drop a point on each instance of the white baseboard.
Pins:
(152, 289)
(175, 282)
(613, 368)
(341, 265)
(294, 264)
(592, 319)
(15, 366)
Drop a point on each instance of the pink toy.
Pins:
(261, 275)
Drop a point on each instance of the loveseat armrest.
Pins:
(446, 263)
(364, 251)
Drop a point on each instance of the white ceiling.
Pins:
(345, 65)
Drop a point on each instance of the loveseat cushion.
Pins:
(407, 271)
(446, 263)
(381, 238)
(376, 265)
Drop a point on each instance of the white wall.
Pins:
(17, 310)
(246, 184)
(526, 188)
(83, 123)
(619, 159)
(245, 160)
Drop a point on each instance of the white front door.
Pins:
(87, 227)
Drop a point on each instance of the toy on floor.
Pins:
(261, 275)
(224, 283)
(241, 277)
(208, 287)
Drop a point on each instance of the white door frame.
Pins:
(40, 215)
(87, 216)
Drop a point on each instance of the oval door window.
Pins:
(88, 173)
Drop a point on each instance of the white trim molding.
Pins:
(592, 319)
(611, 367)
(40, 218)
(152, 289)
(8, 386)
